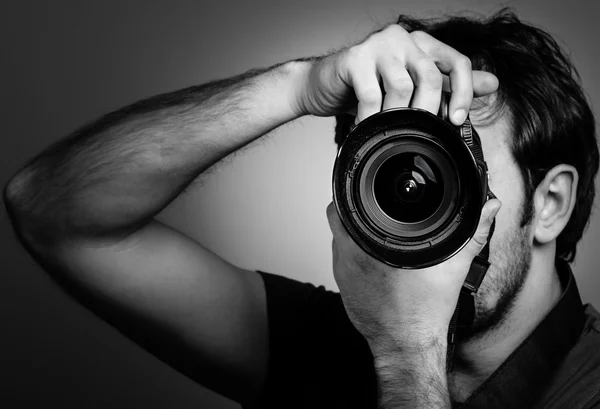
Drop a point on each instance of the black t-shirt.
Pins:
(319, 360)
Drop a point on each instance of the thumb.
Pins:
(488, 213)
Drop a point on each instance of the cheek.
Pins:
(504, 178)
(508, 218)
(507, 186)
(506, 183)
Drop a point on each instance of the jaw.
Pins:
(536, 289)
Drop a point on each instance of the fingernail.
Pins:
(459, 116)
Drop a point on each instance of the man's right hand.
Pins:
(393, 68)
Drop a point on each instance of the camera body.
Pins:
(409, 186)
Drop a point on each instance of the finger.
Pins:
(427, 80)
(342, 245)
(484, 83)
(479, 239)
(363, 78)
(456, 66)
(397, 83)
(335, 224)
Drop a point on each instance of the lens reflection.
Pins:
(408, 187)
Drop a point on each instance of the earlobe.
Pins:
(554, 200)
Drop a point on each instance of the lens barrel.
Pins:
(407, 187)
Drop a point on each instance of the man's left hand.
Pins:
(397, 309)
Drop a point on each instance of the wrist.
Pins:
(296, 73)
(415, 342)
(413, 377)
(409, 354)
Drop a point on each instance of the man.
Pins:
(85, 208)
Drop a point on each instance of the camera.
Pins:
(409, 186)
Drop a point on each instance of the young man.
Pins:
(84, 209)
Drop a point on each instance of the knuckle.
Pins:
(464, 62)
(479, 241)
(419, 35)
(402, 85)
(390, 36)
(369, 95)
(431, 76)
(395, 29)
(355, 54)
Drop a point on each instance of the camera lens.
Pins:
(408, 187)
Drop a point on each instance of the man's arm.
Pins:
(84, 209)
(112, 176)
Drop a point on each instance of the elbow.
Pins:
(14, 196)
(9, 197)
(34, 221)
(18, 192)
(16, 185)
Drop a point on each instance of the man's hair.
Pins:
(552, 122)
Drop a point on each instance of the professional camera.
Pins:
(409, 186)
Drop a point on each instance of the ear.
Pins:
(554, 200)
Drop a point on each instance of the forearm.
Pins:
(413, 378)
(112, 176)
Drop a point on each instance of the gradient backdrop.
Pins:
(65, 63)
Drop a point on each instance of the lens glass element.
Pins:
(408, 187)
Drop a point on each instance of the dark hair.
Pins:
(552, 122)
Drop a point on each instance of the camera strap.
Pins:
(464, 313)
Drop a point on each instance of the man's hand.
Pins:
(404, 314)
(410, 67)
(397, 309)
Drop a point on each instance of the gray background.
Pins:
(65, 63)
